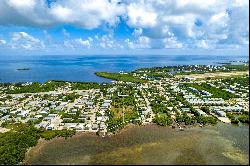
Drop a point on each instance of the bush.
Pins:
(244, 118)
(162, 120)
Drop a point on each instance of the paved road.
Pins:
(148, 108)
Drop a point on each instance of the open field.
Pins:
(118, 111)
(215, 75)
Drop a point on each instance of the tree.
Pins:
(162, 120)
(205, 109)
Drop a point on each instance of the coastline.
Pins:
(121, 133)
(134, 141)
(32, 152)
(36, 150)
(18, 78)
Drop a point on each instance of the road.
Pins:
(149, 109)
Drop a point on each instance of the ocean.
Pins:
(82, 68)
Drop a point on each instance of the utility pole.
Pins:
(123, 113)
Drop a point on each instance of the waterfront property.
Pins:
(144, 96)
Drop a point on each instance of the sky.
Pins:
(87, 27)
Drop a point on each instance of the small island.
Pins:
(23, 69)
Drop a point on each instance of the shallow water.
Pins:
(220, 144)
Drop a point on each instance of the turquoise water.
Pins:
(82, 68)
(220, 144)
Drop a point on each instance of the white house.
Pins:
(50, 127)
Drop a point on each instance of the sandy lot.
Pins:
(218, 74)
(3, 130)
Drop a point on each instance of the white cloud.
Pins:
(24, 13)
(144, 42)
(86, 13)
(90, 39)
(77, 43)
(176, 23)
(140, 43)
(203, 44)
(171, 42)
(107, 42)
(22, 40)
(192, 21)
(2, 42)
(141, 15)
(84, 43)
(23, 4)
(61, 13)
(137, 32)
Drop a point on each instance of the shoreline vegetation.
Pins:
(120, 77)
(124, 111)
(16, 142)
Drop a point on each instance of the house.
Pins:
(3, 110)
(32, 119)
(120, 95)
(67, 119)
(74, 110)
(4, 118)
(79, 127)
(189, 78)
(200, 112)
(185, 109)
(206, 93)
(63, 103)
(24, 113)
(88, 126)
(72, 126)
(219, 112)
(99, 118)
(193, 89)
(94, 126)
(102, 125)
(15, 112)
(232, 109)
(48, 118)
(50, 127)
(52, 115)
(53, 106)
(38, 116)
(45, 110)
(106, 105)
(59, 108)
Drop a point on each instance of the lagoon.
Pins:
(150, 144)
